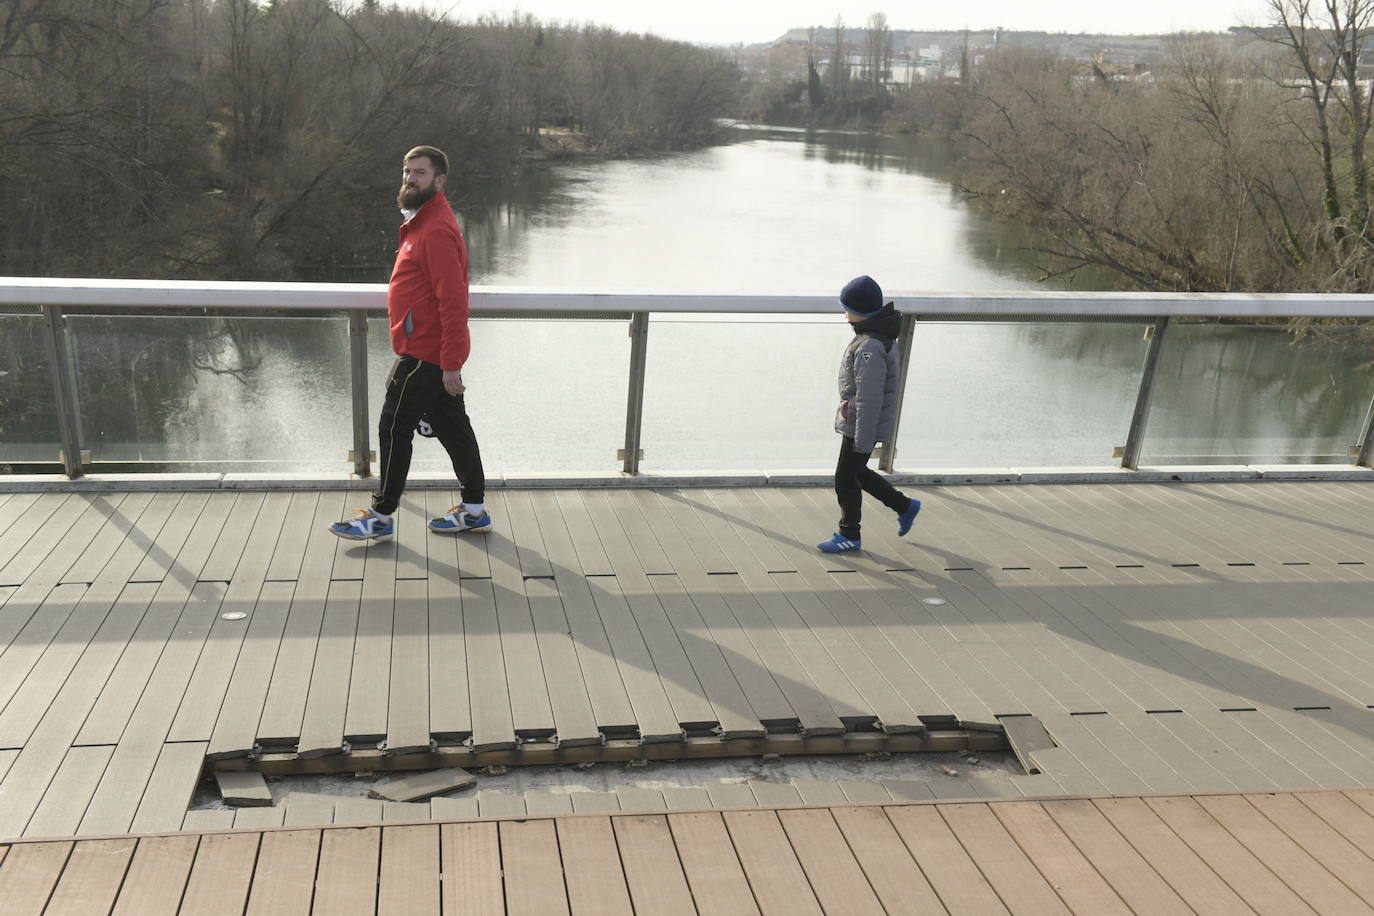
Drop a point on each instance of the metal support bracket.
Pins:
(1135, 439)
(362, 453)
(64, 391)
(634, 409)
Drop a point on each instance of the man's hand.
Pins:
(453, 381)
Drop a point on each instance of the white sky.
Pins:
(752, 21)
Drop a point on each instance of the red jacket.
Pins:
(427, 298)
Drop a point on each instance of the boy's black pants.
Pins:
(415, 389)
(852, 478)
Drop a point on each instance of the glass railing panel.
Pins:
(28, 404)
(1257, 394)
(205, 393)
(742, 392)
(544, 395)
(984, 394)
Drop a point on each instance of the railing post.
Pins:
(1366, 456)
(634, 409)
(59, 360)
(357, 339)
(1135, 439)
(904, 343)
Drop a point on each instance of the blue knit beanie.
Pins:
(862, 296)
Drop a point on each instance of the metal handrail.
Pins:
(1156, 308)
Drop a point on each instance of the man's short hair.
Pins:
(436, 157)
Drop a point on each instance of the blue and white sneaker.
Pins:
(905, 519)
(365, 526)
(838, 543)
(457, 521)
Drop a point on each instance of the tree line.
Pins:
(260, 139)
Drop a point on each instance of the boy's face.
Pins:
(853, 319)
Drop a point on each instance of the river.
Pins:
(773, 210)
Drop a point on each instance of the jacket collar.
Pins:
(429, 211)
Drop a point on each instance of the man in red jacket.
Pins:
(427, 306)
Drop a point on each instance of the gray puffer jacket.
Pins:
(869, 373)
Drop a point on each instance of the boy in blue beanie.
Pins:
(869, 373)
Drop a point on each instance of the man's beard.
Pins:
(414, 198)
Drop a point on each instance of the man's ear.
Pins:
(439, 181)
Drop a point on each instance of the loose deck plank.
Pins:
(326, 704)
(284, 878)
(450, 710)
(591, 866)
(652, 869)
(157, 876)
(493, 725)
(369, 683)
(407, 728)
(471, 857)
(92, 878)
(573, 718)
(236, 729)
(776, 876)
(531, 711)
(170, 787)
(835, 876)
(221, 875)
(533, 870)
(713, 872)
(410, 871)
(654, 713)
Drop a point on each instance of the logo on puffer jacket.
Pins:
(867, 357)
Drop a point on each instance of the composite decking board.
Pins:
(774, 794)
(573, 717)
(894, 876)
(161, 558)
(1170, 856)
(686, 517)
(609, 699)
(724, 632)
(686, 798)
(365, 721)
(283, 706)
(641, 531)
(407, 721)
(1348, 818)
(548, 803)
(157, 876)
(582, 530)
(234, 528)
(529, 692)
(774, 873)
(221, 875)
(834, 873)
(1056, 857)
(1028, 521)
(1155, 754)
(471, 864)
(141, 740)
(1293, 864)
(64, 803)
(284, 878)
(488, 684)
(532, 869)
(745, 524)
(499, 804)
(729, 704)
(522, 522)
(642, 611)
(410, 871)
(28, 875)
(347, 874)
(236, 729)
(450, 711)
(26, 513)
(170, 787)
(92, 878)
(412, 537)
(298, 530)
(917, 790)
(204, 820)
(634, 798)
(1321, 840)
(52, 549)
(730, 795)
(259, 817)
(1000, 860)
(1243, 773)
(458, 556)
(349, 810)
(819, 791)
(713, 872)
(326, 704)
(175, 594)
(591, 866)
(649, 858)
(595, 802)
(26, 648)
(128, 517)
(659, 716)
(308, 814)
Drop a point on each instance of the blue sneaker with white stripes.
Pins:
(365, 526)
(905, 519)
(838, 543)
(456, 521)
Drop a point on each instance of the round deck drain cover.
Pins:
(233, 615)
(932, 601)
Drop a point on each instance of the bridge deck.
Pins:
(1169, 638)
(1218, 853)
